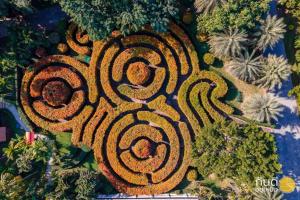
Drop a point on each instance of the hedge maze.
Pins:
(138, 103)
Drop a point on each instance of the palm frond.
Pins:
(274, 71)
(207, 6)
(262, 108)
(229, 43)
(271, 30)
(246, 67)
(268, 194)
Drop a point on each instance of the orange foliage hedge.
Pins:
(115, 112)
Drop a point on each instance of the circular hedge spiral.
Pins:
(138, 101)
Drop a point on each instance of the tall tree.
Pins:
(275, 70)
(262, 108)
(246, 67)
(207, 6)
(239, 152)
(271, 30)
(240, 14)
(227, 44)
(100, 17)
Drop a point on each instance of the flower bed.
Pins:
(137, 103)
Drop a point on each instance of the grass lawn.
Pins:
(84, 157)
(235, 86)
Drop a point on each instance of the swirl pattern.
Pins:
(138, 101)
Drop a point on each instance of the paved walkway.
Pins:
(287, 130)
(13, 110)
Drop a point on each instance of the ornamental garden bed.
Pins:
(137, 101)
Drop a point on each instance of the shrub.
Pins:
(192, 175)
(62, 48)
(209, 58)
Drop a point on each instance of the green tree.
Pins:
(293, 6)
(227, 44)
(262, 108)
(239, 14)
(85, 185)
(268, 194)
(239, 152)
(275, 70)
(17, 52)
(207, 6)
(271, 30)
(70, 181)
(25, 156)
(246, 67)
(11, 187)
(99, 17)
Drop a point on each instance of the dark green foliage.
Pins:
(69, 181)
(17, 51)
(236, 14)
(241, 153)
(296, 92)
(3, 9)
(293, 6)
(18, 7)
(22, 157)
(100, 17)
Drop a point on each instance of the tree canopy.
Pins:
(100, 17)
(235, 13)
(234, 151)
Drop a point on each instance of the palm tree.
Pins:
(270, 32)
(269, 194)
(262, 108)
(228, 44)
(207, 6)
(246, 67)
(12, 187)
(274, 71)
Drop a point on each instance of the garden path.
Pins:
(13, 110)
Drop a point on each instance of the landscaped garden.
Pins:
(142, 98)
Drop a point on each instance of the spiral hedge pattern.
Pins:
(138, 101)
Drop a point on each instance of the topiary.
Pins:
(62, 48)
(192, 175)
(209, 58)
(202, 37)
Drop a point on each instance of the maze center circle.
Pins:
(143, 148)
(56, 93)
(138, 73)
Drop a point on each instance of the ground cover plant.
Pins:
(138, 102)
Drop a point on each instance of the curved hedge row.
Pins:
(77, 40)
(138, 104)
